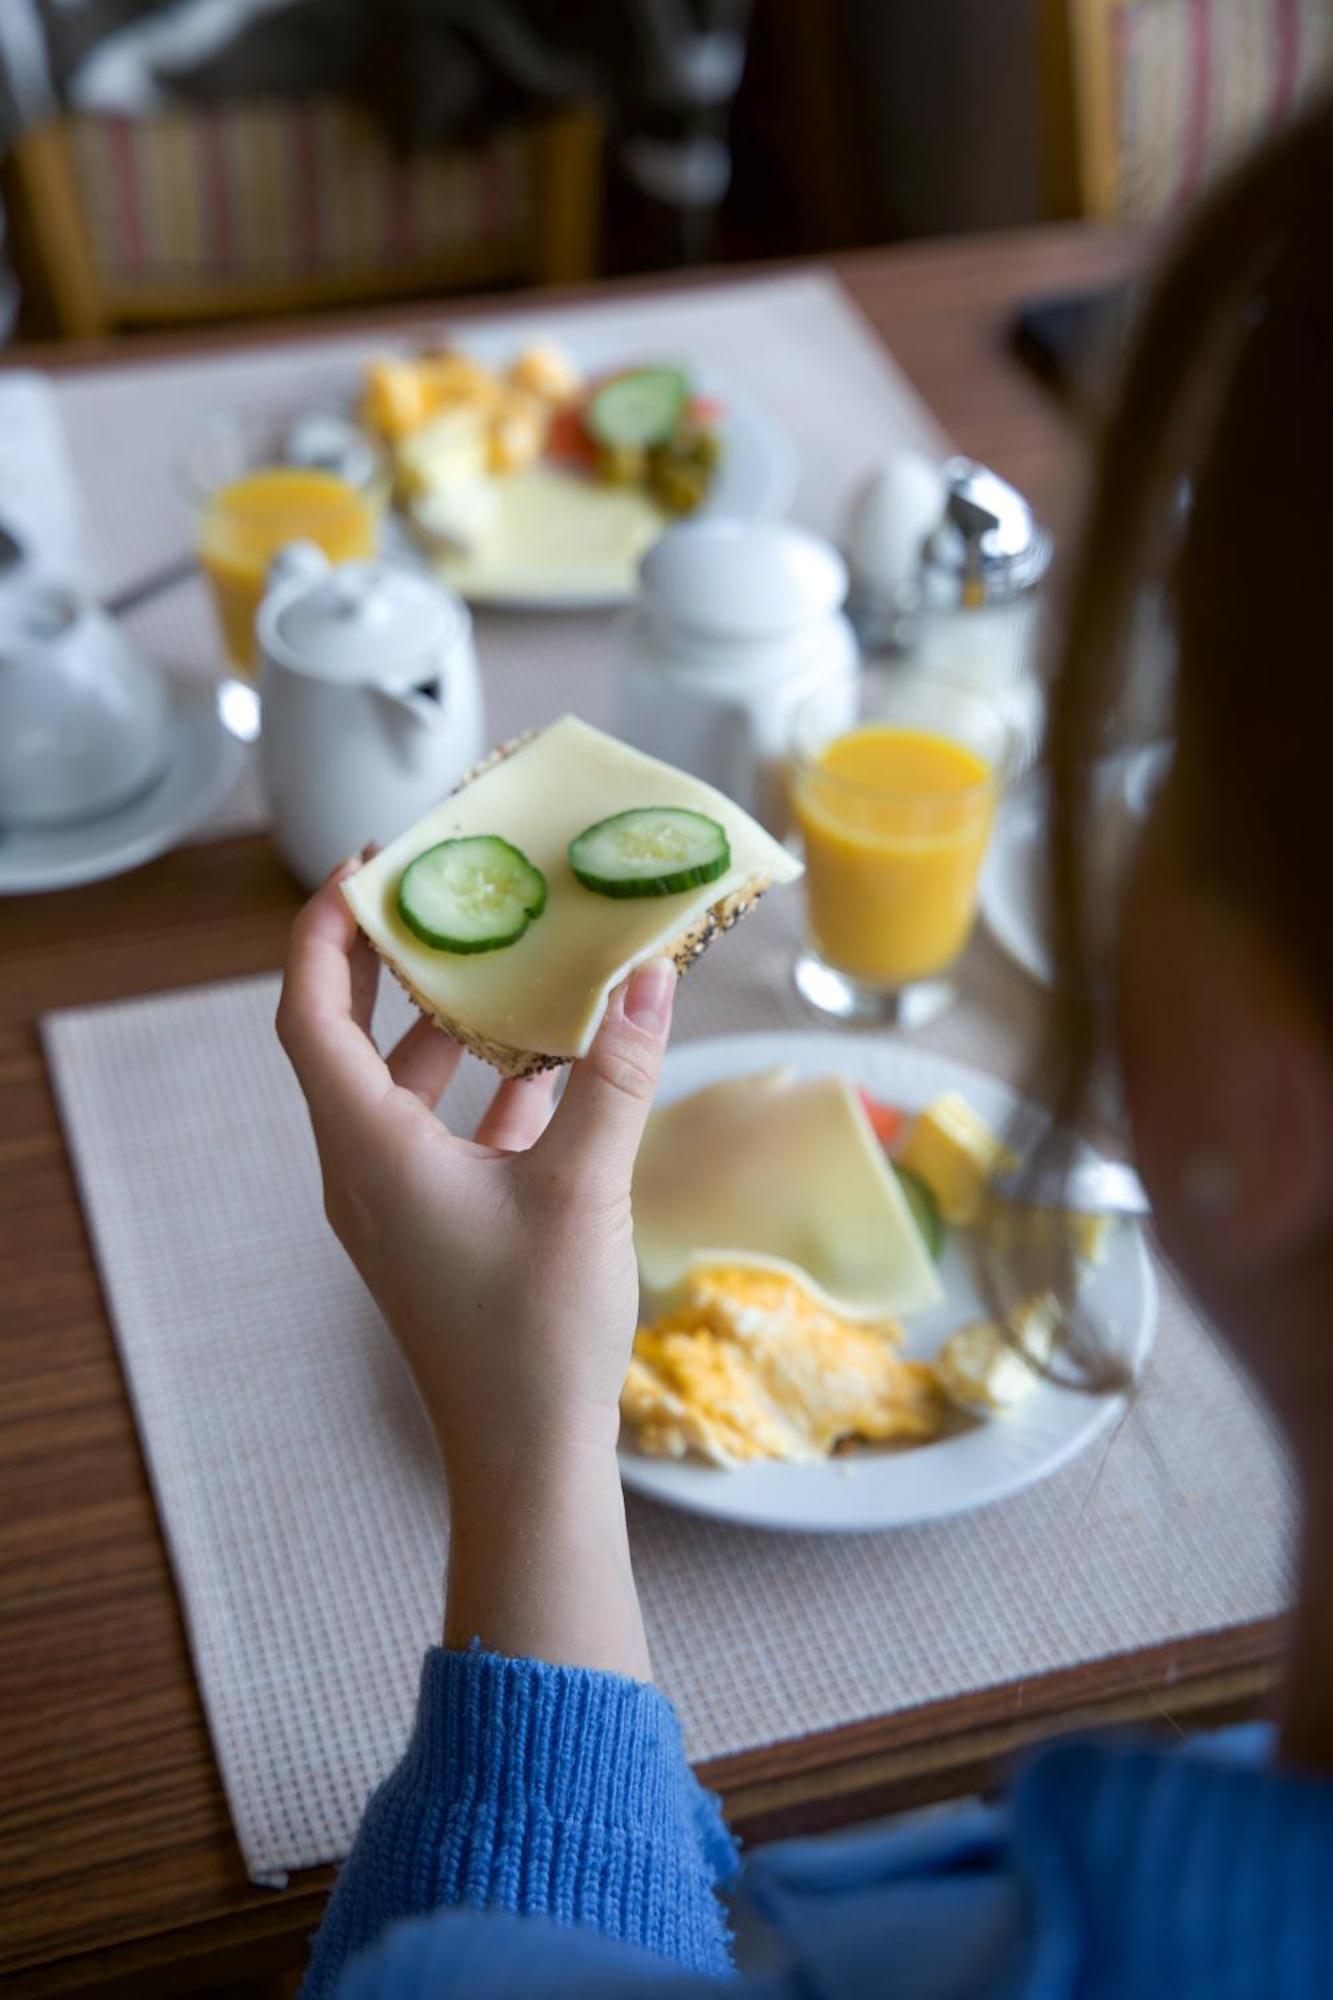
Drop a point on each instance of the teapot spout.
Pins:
(413, 719)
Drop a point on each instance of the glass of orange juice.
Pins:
(249, 503)
(895, 782)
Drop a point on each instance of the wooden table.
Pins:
(117, 1864)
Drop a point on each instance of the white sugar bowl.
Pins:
(735, 620)
(84, 717)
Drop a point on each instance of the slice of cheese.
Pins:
(547, 993)
(766, 1172)
(555, 535)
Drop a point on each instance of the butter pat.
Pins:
(773, 1174)
(955, 1152)
(979, 1369)
(545, 995)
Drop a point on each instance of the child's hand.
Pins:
(505, 1264)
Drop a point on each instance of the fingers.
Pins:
(603, 1112)
(518, 1114)
(365, 967)
(424, 1062)
(327, 993)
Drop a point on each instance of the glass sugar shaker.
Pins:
(978, 618)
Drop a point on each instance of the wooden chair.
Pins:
(1143, 101)
(270, 206)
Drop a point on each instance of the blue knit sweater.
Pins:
(543, 1835)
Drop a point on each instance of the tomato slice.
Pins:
(703, 412)
(886, 1120)
(566, 439)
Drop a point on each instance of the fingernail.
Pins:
(648, 995)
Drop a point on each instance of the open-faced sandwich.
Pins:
(512, 911)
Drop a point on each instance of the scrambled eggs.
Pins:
(752, 1366)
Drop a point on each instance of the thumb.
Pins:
(601, 1116)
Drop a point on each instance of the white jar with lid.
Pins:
(735, 620)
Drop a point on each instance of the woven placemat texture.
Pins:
(300, 1497)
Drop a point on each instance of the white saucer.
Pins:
(1014, 895)
(1013, 882)
(204, 764)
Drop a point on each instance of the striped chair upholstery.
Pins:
(1195, 81)
(272, 193)
(270, 205)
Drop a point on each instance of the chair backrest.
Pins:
(271, 206)
(1161, 94)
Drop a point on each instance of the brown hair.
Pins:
(1215, 486)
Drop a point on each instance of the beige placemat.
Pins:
(297, 1487)
(796, 344)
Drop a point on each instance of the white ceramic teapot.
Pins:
(371, 703)
(735, 620)
(84, 718)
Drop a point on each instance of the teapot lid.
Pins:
(741, 579)
(366, 621)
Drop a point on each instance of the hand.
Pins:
(504, 1264)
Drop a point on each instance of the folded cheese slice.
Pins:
(541, 1000)
(774, 1173)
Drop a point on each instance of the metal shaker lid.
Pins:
(989, 547)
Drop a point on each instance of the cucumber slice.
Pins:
(643, 407)
(925, 1210)
(651, 851)
(477, 894)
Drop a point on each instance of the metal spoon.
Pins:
(1102, 1187)
(142, 591)
(153, 585)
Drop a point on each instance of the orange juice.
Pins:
(244, 525)
(895, 823)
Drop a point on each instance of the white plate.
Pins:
(872, 1488)
(204, 764)
(755, 479)
(1013, 882)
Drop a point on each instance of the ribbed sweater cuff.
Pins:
(540, 1790)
